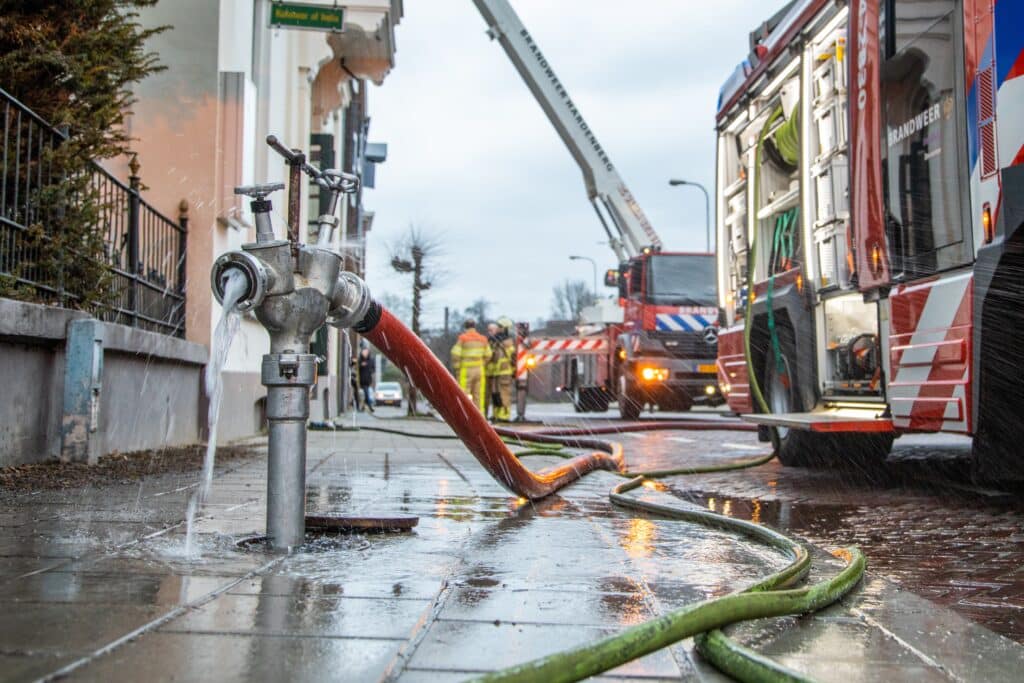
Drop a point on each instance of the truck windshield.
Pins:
(682, 280)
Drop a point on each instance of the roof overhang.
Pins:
(365, 48)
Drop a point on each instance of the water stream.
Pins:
(234, 286)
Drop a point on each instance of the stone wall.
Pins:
(150, 390)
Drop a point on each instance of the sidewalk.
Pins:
(94, 582)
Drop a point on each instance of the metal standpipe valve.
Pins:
(292, 289)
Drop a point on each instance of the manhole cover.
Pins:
(342, 523)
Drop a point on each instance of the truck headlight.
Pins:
(653, 374)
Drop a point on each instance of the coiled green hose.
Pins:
(787, 137)
(772, 596)
(748, 314)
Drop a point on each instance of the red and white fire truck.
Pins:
(661, 352)
(870, 196)
(663, 335)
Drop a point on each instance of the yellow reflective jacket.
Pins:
(471, 350)
(503, 356)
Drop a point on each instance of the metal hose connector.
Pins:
(259, 279)
(350, 301)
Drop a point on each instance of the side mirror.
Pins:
(611, 278)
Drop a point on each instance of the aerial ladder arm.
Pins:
(612, 200)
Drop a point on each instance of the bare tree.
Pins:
(417, 252)
(569, 299)
(478, 311)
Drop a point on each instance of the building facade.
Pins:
(231, 79)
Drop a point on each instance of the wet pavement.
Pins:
(95, 583)
(917, 516)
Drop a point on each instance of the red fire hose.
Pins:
(432, 379)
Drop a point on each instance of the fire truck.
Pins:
(662, 339)
(870, 202)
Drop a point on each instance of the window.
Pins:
(681, 280)
(634, 276)
(922, 138)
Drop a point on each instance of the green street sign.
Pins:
(308, 17)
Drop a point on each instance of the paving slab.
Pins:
(478, 647)
(304, 615)
(243, 658)
(484, 581)
(61, 628)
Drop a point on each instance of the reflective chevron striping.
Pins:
(548, 349)
(678, 322)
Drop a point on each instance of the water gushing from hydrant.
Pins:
(235, 286)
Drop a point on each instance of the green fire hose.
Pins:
(748, 314)
(771, 597)
(698, 620)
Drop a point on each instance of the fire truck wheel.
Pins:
(629, 405)
(797, 448)
(800, 448)
(863, 451)
(997, 459)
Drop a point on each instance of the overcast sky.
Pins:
(472, 157)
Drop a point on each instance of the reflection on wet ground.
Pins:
(917, 517)
(483, 582)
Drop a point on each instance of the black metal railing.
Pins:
(144, 251)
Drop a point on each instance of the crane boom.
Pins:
(605, 188)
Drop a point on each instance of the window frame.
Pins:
(959, 252)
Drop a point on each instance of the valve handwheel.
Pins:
(259, 192)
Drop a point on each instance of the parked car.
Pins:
(388, 394)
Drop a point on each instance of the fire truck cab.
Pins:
(665, 350)
(870, 196)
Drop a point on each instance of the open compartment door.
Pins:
(867, 213)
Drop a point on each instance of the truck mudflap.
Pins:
(831, 421)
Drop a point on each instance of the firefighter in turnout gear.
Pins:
(501, 368)
(469, 355)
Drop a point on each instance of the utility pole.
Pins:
(417, 287)
(414, 266)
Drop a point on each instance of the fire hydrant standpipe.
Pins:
(288, 378)
(293, 289)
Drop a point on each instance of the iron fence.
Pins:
(143, 250)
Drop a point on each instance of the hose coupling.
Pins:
(259, 279)
(350, 301)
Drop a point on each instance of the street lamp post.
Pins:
(593, 264)
(707, 205)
